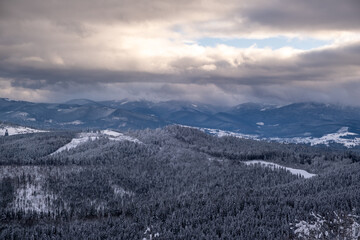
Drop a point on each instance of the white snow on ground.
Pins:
(260, 123)
(223, 133)
(91, 136)
(82, 138)
(342, 136)
(67, 110)
(116, 136)
(76, 122)
(13, 130)
(341, 227)
(149, 235)
(121, 192)
(22, 114)
(31, 197)
(337, 137)
(294, 171)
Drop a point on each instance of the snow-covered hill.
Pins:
(343, 136)
(13, 129)
(294, 171)
(91, 136)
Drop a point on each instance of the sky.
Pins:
(219, 52)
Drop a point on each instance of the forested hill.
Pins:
(173, 183)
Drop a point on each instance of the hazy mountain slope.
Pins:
(294, 120)
(13, 129)
(87, 114)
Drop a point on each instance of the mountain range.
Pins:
(264, 120)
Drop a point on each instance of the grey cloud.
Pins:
(278, 80)
(305, 15)
(283, 15)
(348, 55)
(99, 11)
(34, 33)
(336, 93)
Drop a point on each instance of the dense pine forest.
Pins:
(174, 183)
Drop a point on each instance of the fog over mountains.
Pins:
(265, 121)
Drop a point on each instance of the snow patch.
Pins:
(340, 137)
(76, 122)
(298, 172)
(149, 235)
(22, 114)
(32, 198)
(121, 192)
(14, 130)
(340, 227)
(91, 136)
(223, 133)
(67, 110)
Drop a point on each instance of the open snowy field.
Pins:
(294, 171)
(91, 136)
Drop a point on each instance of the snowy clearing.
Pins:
(294, 171)
(91, 136)
(76, 122)
(342, 136)
(30, 194)
(223, 133)
(338, 137)
(14, 130)
(31, 197)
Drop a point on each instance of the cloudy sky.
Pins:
(221, 52)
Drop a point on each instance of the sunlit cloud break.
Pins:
(224, 52)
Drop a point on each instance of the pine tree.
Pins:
(6, 133)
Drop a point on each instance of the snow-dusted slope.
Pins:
(342, 226)
(91, 136)
(342, 136)
(223, 133)
(13, 130)
(294, 171)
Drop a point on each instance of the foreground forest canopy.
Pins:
(174, 183)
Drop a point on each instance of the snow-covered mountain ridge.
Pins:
(343, 136)
(14, 129)
(91, 136)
